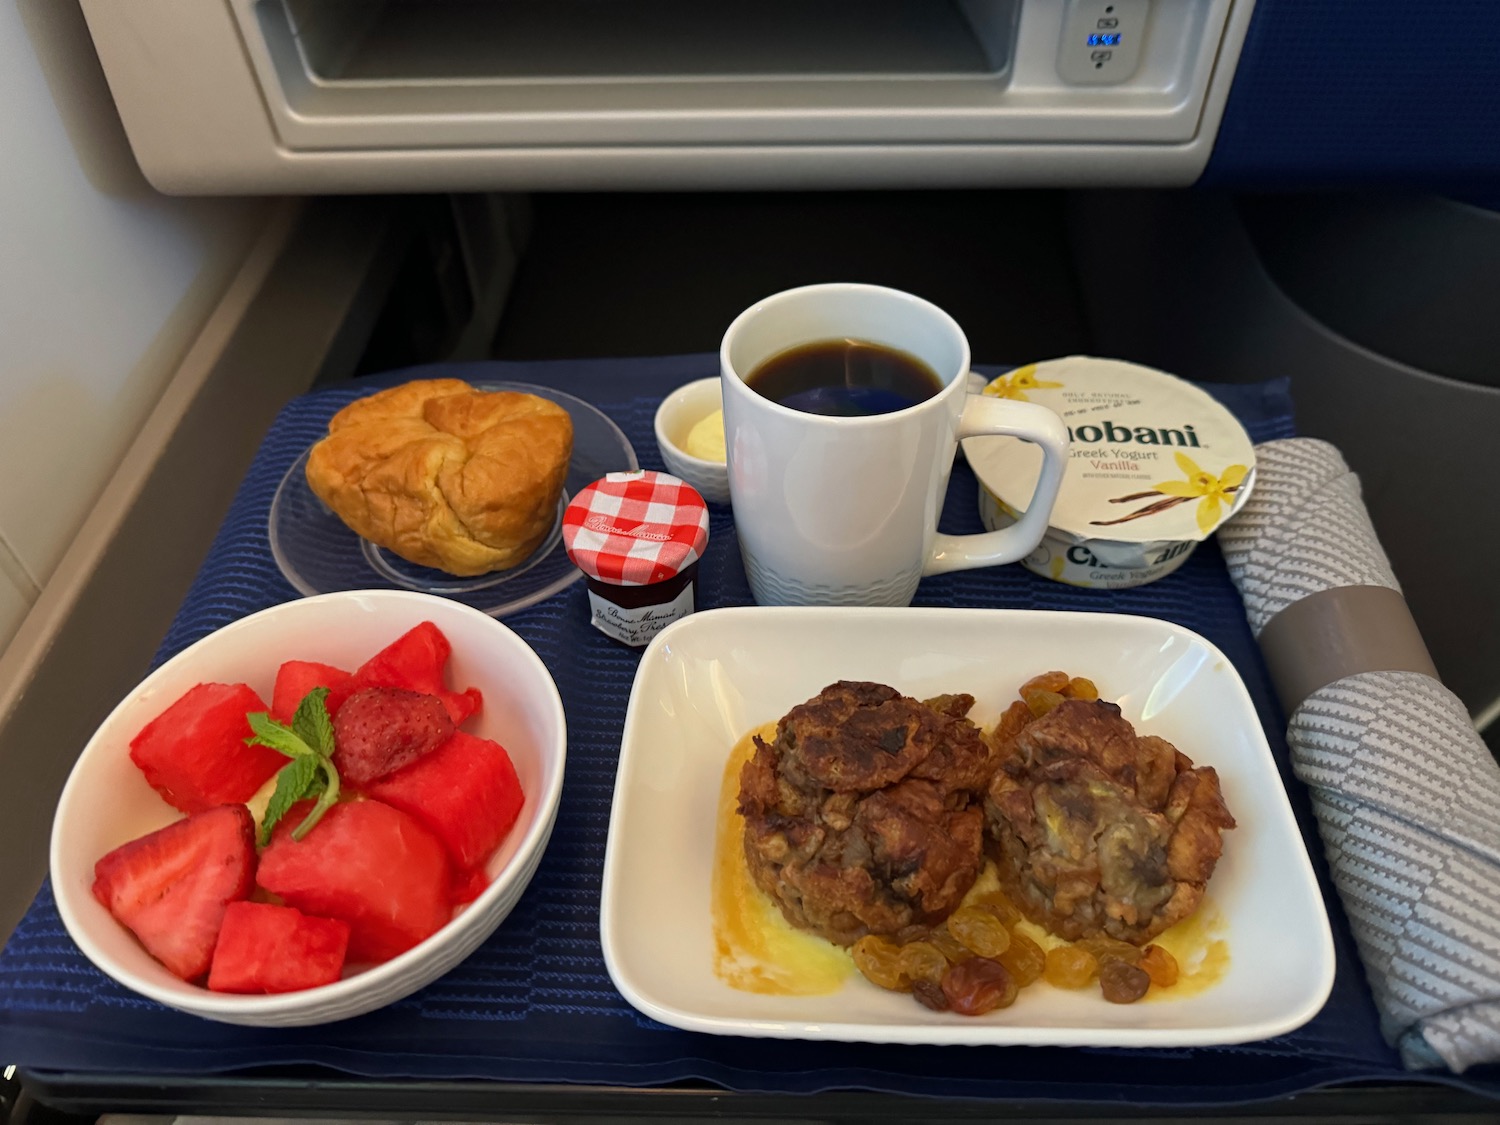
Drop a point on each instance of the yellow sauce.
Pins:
(1200, 948)
(1197, 942)
(755, 948)
(989, 883)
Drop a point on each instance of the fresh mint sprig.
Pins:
(308, 742)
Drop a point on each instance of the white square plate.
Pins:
(709, 678)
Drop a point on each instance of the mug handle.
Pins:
(986, 415)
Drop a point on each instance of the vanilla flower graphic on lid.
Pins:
(1017, 383)
(1214, 491)
(1210, 491)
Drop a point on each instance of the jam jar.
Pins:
(637, 537)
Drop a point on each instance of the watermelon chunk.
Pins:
(296, 678)
(171, 888)
(369, 865)
(417, 661)
(265, 948)
(466, 792)
(194, 753)
(468, 885)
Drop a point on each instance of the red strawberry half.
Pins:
(194, 753)
(368, 864)
(417, 660)
(170, 888)
(466, 791)
(265, 948)
(379, 730)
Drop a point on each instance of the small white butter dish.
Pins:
(679, 412)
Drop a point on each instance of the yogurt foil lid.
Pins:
(1153, 459)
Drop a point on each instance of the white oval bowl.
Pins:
(107, 800)
(678, 413)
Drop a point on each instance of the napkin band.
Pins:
(1344, 631)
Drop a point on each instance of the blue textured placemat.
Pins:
(535, 1003)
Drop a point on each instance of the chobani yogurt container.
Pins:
(1156, 465)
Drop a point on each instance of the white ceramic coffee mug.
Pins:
(844, 511)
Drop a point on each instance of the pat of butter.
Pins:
(706, 439)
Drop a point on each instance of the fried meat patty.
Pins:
(864, 815)
(1096, 830)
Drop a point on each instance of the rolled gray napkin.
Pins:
(1406, 794)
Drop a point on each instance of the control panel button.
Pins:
(1102, 40)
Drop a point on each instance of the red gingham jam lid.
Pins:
(635, 529)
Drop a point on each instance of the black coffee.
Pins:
(844, 379)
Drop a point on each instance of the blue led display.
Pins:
(1112, 40)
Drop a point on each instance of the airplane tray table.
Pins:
(534, 1005)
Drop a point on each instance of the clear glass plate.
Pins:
(318, 553)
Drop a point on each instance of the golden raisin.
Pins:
(1110, 949)
(1025, 959)
(1080, 688)
(979, 985)
(979, 930)
(1160, 966)
(1054, 682)
(920, 960)
(1122, 983)
(1000, 906)
(1041, 702)
(880, 961)
(1069, 967)
(950, 947)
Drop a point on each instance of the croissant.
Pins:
(445, 475)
